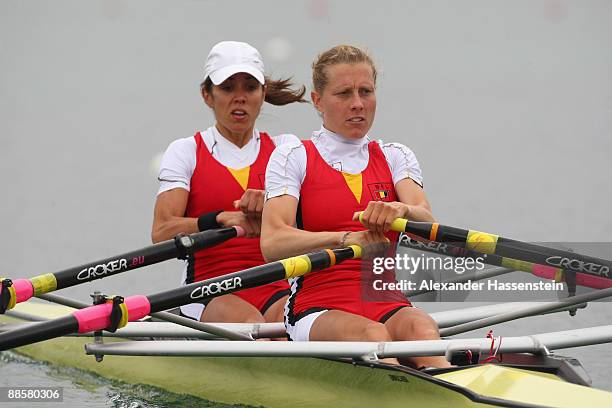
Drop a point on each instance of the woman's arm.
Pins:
(284, 176)
(169, 215)
(280, 239)
(413, 196)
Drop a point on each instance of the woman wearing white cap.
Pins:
(319, 185)
(216, 179)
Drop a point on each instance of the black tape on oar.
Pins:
(119, 313)
(8, 297)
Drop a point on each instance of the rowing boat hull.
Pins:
(269, 382)
(309, 382)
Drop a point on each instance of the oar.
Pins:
(590, 271)
(166, 316)
(448, 249)
(117, 312)
(20, 290)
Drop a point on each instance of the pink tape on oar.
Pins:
(23, 289)
(593, 281)
(240, 232)
(582, 279)
(544, 271)
(98, 317)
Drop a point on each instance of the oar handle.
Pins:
(202, 240)
(398, 224)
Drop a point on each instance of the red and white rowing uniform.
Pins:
(214, 185)
(328, 198)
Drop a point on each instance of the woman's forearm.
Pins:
(286, 241)
(419, 213)
(280, 239)
(168, 216)
(171, 227)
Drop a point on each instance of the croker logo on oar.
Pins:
(20, 290)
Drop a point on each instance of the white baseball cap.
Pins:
(230, 57)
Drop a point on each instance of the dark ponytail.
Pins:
(278, 92)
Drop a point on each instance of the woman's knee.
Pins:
(375, 331)
(413, 324)
(275, 313)
(230, 308)
(425, 330)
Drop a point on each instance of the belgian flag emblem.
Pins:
(381, 191)
(382, 194)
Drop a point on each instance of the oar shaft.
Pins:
(449, 249)
(39, 332)
(98, 317)
(116, 264)
(248, 278)
(598, 270)
(166, 316)
(179, 247)
(140, 258)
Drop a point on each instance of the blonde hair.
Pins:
(340, 54)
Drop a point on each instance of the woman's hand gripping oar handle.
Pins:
(398, 224)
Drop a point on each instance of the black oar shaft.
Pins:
(210, 288)
(509, 248)
(116, 264)
(150, 255)
(445, 248)
(99, 317)
(39, 332)
(248, 278)
(20, 290)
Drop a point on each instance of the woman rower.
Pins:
(319, 185)
(216, 179)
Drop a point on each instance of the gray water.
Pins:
(507, 105)
(80, 388)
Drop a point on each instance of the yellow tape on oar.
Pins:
(357, 251)
(517, 265)
(124, 316)
(43, 284)
(398, 224)
(529, 267)
(12, 296)
(481, 242)
(122, 310)
(296, 266)
(301, 265)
